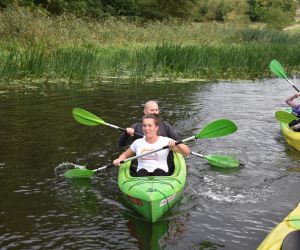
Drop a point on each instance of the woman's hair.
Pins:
(151, 116)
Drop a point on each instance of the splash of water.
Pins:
(62, 167)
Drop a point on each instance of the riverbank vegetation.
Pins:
(50, 45)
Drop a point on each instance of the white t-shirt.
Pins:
(152, 161)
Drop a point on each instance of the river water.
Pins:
(219, 209)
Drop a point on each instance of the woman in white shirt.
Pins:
(152, 164)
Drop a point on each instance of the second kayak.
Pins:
(291, 137)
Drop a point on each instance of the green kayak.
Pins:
(153, 196)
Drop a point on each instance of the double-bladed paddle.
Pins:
(85, 117)
(284, 116)
(278, 70)
(217, 128)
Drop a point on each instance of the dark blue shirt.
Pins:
(296, 110)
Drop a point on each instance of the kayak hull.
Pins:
(153, 196)
(291, 137)
(274, 239)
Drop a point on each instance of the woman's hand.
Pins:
(181, 148)
(172, 144)
(122, 157)
(116, 162)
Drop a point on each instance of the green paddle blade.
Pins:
(84, 117)
(217, 128)
(77, 173)
(284, 116)
(277, 69)
(222, 161)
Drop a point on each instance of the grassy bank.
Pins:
(35, 46)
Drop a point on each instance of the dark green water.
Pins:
(219, 210)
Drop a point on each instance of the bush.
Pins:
(281, 11)
(223, 10)
(4, 3)
(276, 18)
(264, 36)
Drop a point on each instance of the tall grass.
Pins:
(165, 60)
(35, 46)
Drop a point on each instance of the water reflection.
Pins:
(80, 184)
(206, 245)
(234, 209)
(158, 235)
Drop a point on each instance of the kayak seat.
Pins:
(170, 162)
(291, 241)
(295, 125)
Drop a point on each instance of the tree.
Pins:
(267, 11)
(165, 9)
(223, 10)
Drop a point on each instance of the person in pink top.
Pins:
(293, 104)
(152, 164)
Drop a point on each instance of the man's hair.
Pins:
(146, 104)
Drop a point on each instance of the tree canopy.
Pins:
(276, 13)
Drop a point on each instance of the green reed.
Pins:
(162, 60)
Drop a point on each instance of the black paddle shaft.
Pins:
(124, 130)
(296, 88)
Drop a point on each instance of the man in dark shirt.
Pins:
(165, 129)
